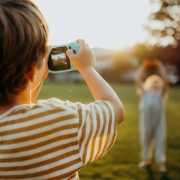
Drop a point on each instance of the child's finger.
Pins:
(69, 53)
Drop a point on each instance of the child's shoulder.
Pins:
(54, 103)
(39, 109)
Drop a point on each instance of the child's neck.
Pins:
(153, 90)
(23, 98)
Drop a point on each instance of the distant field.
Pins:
(121, 161)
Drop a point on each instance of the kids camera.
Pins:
(58, 60)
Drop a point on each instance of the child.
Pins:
(48, 139)
(152, 121)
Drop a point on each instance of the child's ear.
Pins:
(31, 74)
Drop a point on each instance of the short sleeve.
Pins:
(97, 129)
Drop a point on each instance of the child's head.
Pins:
(23, 43)
(154, 82)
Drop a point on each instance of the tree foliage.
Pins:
(163, 23)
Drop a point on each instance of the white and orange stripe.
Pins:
(53, 139)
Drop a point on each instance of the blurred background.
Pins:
(122, 34)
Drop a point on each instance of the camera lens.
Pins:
(69, 47)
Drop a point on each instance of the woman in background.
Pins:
(152, 91)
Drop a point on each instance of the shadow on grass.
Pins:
(153, 176)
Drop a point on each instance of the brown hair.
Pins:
(23, 42)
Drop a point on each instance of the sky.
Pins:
(101, 23)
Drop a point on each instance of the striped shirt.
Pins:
(53, 139)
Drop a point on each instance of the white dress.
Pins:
(152, 125)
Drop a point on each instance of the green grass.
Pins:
(121, 160)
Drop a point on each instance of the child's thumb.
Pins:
(69, 53)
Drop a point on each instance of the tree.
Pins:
(163, 23)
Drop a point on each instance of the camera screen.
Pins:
(58, 60)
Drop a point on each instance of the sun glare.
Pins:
(108, 23)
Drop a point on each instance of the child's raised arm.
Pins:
(84, 62)
(163, 74)
(139, 77)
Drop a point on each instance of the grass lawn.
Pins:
(121, 161)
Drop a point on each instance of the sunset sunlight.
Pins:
(89, 89)
(102, 23)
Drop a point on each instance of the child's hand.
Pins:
(84, 59)
(150, 63)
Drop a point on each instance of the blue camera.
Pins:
(58, 60)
